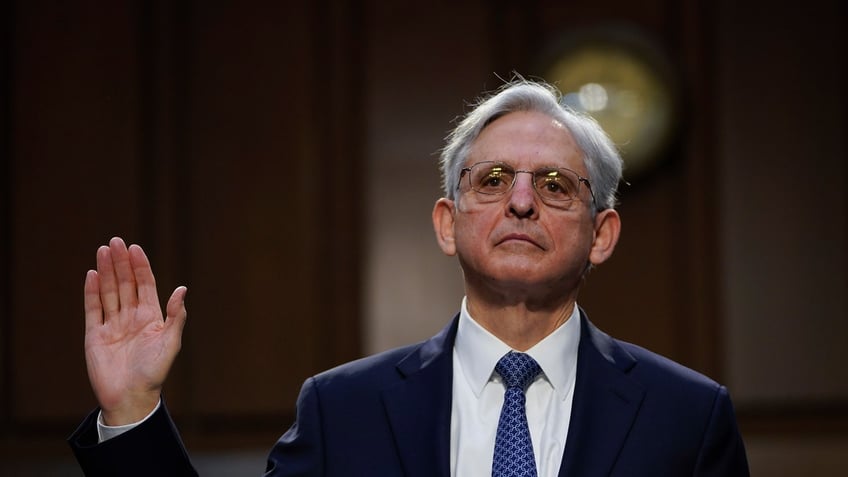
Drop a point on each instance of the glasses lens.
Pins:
(552, 184)
(557, 184)
(491, 178)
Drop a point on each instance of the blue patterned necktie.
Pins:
(513, 447)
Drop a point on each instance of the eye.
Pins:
(493, 179)
(551, 185)
(554, 185)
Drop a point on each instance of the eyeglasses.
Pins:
(553, 184)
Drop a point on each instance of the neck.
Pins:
(521, 324)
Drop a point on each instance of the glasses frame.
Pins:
(580, 179)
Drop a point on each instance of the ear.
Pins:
(443, 222)
(607, 231)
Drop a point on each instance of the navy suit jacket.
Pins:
(634, 414)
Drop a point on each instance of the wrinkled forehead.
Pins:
(527, 139)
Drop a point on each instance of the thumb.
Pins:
(176, 313)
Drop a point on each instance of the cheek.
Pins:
(468, 238)
(471, 216)
(473, 229)
(577, 237)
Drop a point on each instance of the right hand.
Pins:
(129, 346)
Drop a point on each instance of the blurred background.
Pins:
(279, 159)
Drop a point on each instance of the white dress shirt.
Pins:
(478, 394)
(104, 432)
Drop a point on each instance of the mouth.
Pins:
(518, 238)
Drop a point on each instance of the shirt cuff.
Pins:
(104, 432)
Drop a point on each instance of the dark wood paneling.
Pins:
(338, 180)
(222, 139)
(692, 48)
(250, 346)
(74, 182)
(6, 34)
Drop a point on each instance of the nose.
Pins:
(522, 196)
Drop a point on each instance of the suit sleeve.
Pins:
(300, 451)
(154, 447)
(722, 452)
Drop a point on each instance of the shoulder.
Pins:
(673, 390)
(378, 367)
(429, 356)
(359, 383)
(659, 371)
(647, 367)
(681, 412)
(672, 396)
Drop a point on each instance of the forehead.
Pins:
(527, 139)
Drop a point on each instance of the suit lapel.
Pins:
(606, 401)
(419, 406)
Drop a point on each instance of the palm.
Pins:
(126, 358)
(129, 347)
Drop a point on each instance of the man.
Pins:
(519, 383)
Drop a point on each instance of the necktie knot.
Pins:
(518, 370)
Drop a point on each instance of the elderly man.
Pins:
(519, 383)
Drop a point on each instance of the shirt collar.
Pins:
(478, 352)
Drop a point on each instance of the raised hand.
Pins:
(129, 347)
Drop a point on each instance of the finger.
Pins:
(143, 276)
(176, 311)
(108, 283)
(93, 307)
(127, 291)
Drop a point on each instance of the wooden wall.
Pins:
(225, 140)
